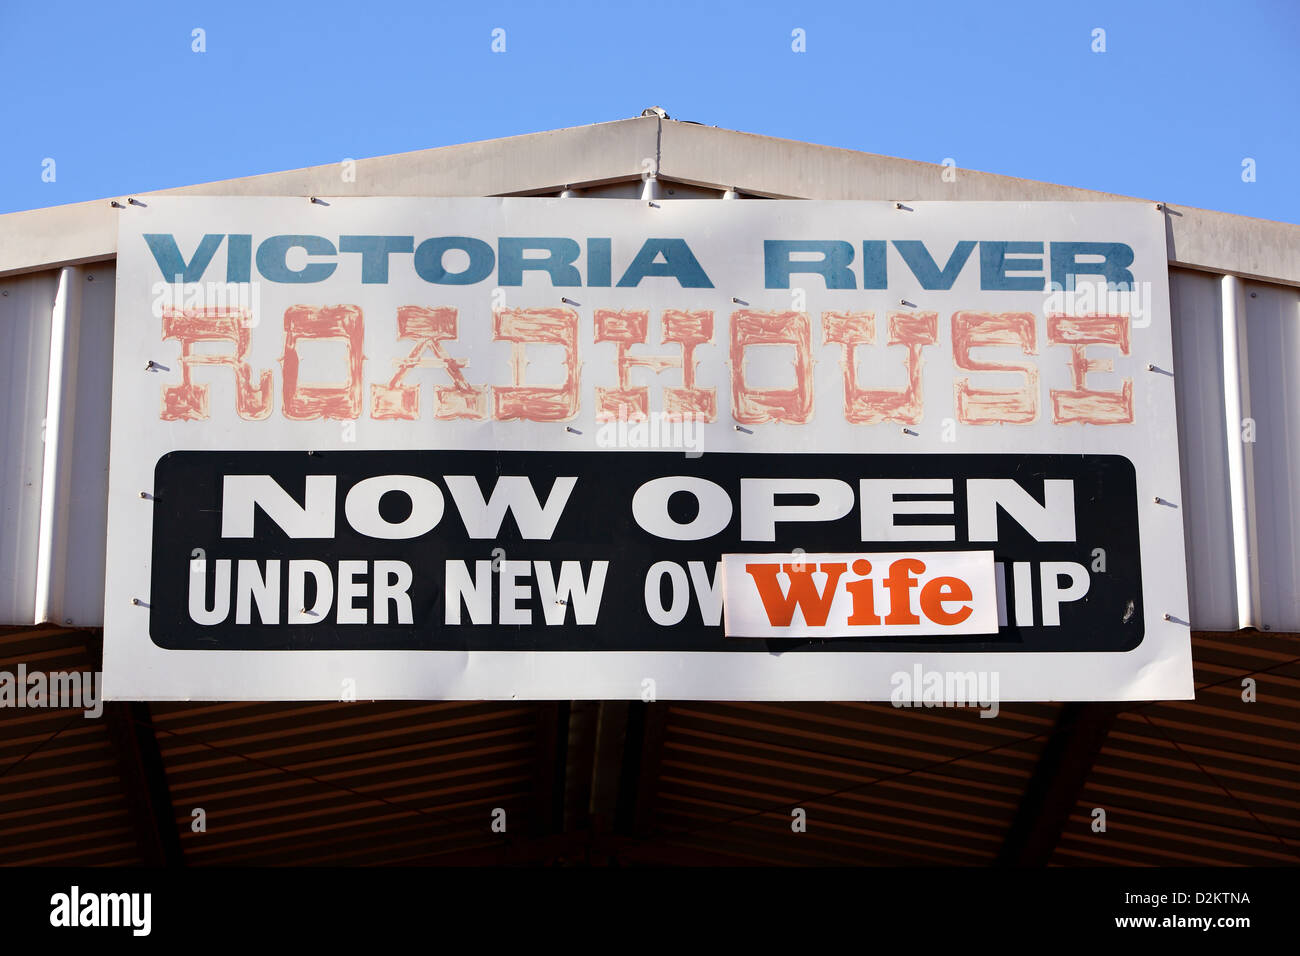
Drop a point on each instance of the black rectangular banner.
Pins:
(615, 550)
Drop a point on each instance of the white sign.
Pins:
(535, 448)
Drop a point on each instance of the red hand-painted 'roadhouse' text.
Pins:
(428, 337)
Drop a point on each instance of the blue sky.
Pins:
(1183, 94)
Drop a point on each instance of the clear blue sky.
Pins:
(1184, 92)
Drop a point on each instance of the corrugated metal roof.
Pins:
(62, 800)
(878, 784)
(1209, 782)
(1213, 781)
(345, 782)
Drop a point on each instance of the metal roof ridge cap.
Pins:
(699, 129)
(171, 190)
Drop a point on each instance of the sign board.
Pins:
(536, 448)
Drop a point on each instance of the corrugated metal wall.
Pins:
(73, 474)
(1269, 346)
(26, 307)
(1273, 331)
(1266, 436)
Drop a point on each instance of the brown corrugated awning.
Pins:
(1215, 781)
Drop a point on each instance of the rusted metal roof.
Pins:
(878, 785)
(1214, 781)
(332, 783)
(62, 800)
